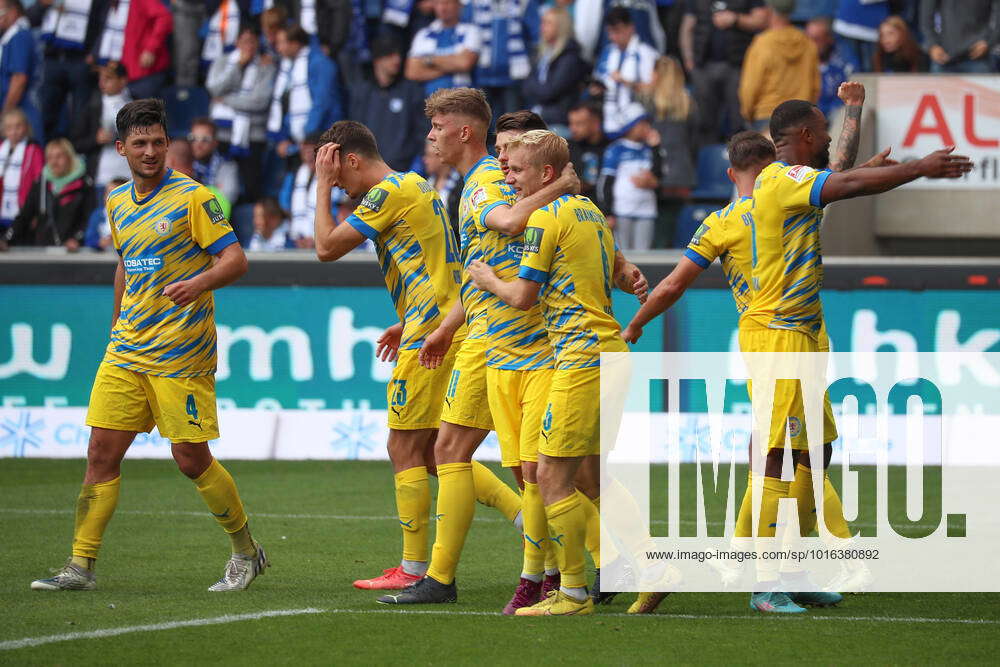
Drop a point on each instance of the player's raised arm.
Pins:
(663, 297)
(860, 182)
(512, 220)
(852, 94)
(333, 241)
(521, 293)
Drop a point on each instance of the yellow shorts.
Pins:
(183, 409)
(465, 399)
(571, 425)
(788, 407)
(414, 393)
(517, 402)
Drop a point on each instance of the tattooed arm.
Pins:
(853, 95)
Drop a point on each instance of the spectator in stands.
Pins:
(135, 33)
(189, 17)
(781, 64)
(557, 78)
(508, 30)
(675, 120)
(959, 35)
(625, 68)
(69, 32)
(444, 53)
(271, 231)
(298, 194)
(271, 19)
(220, 31)
(210, 168)
(587, 144)
(328, 21)
(21, 162)
(55, 212)
(630, 176)
(94, 131)
(897, 51)
(98, 234)
(856, 25)
(18, 63)
(714, 38)
(391, 106)
(833, 68)
(306, 96)
(241, 84)
(590, 15)
(446, 180)
(180, 157)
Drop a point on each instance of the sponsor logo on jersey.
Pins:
(214, 210)
(142, 264)
(798, 173)
(374, 199)
(478, 197)
(533, 239)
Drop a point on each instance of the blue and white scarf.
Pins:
(504, 56)
(293, 82)
(206, 172)
(237, 121)
(218, 42)
(113, 37)
(65, 23)
(397, 12)
(11, 160)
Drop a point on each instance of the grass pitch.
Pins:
(327, 523)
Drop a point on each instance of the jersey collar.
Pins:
(477, 165)
(156, 190)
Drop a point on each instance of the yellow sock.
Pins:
(456, 503)
(744, 520)
(606, 544)
(592, 540)
(767, 525)
(802, 490)
(94, 507)
(536, 530)
(833, 511)
(633, 534)
(413, 503)
(218, 490)
(568, 528)
(492, 492)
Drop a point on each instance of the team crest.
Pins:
(533, 239)
(214, 210)
(794, 426)
(163, 227)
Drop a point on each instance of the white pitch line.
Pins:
(154, 627)
(342, 517)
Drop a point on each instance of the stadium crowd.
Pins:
(644, 90)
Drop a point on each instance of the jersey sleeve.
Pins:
(708, 241)
(377, 212)
(488, 196)
(539, 246)
(799, 187)
(109, 206)
(209, 227)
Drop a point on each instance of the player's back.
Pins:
(787, 264)
(417, 251)
(164, 237)
(576, 292)
(726, 235)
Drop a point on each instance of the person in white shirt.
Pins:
(625, 68)
(271, 230)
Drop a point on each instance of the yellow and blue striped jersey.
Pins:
(164, 237)
(417, 251)
(725, 234)
(484, 190)
(570, 250)
(787, 260)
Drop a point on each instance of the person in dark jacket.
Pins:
(556, 80)
(93, 130)
(959, 35)
(391, 106)
(56, 210)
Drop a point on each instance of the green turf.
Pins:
(155, 569)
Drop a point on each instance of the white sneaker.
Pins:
(854, 577)
(70, 577)
(241, 571)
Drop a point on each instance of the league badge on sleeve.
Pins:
(696, 239)
(214, 210)
(533, 239)
(374, 199)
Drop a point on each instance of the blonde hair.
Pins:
(469, 102)
(65, 145)
(16, 113)
(564, 31)
(545, 148)
(670, 100)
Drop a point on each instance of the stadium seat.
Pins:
(184, 104)
(712, 180)
(687, 222)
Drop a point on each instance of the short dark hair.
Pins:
(141, 113)
(353, 137)
(749, 148)
(207, 122)
(618, 15)
(520, 121)
(116, 69)
(385, 45)
(295, 33)
(789, 114)
(593, 106)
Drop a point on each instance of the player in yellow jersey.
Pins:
(460, 119)
(175, 247)
(785, 314)
(567, 267)
(405, 219)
